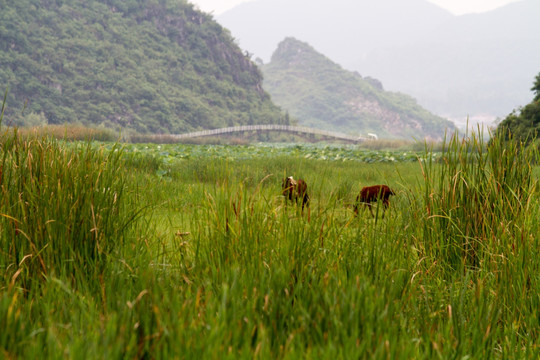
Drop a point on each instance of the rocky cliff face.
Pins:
(320, 93)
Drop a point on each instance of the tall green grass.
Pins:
(210, 262)
(70, 132)
(479, 229)
(476, 196)
(61, 208)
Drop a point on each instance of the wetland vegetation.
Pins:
(183, 251)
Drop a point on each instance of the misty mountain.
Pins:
(478, 64)
(344, 30)
(321, 94)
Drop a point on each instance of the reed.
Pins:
(69, 132)
(474, 193)
(480, 202)
(62, 208)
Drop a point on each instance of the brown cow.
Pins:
(294, 189)
(370, 194)
(289, 185)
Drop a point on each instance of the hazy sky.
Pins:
(457, 7)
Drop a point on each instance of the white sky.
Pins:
(457, 7)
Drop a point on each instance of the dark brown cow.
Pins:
(295, 189)
(370, 194)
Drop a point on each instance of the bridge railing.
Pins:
(286, 128)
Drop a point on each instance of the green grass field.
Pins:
(190, 251)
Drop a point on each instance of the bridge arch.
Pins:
(283, 128)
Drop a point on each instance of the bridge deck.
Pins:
(284, 128)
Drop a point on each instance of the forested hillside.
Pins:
(319, 93)
(153, 66)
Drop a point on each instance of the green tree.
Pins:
(525, 125)
(536, 88)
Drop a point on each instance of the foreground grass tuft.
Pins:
(61, 209)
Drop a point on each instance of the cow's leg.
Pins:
(386, 203)
(305, 201)
(370, 208)
(355, 209)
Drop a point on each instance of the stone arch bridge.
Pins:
(284, 128)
